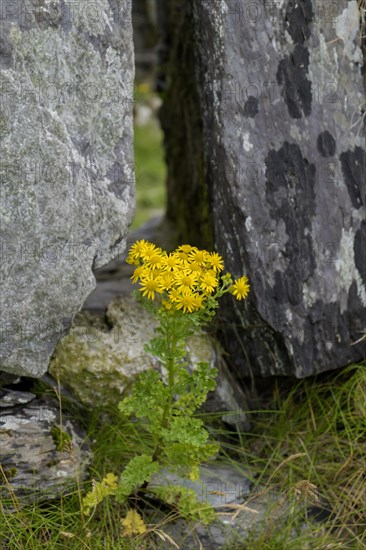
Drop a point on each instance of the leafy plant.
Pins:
(311, 430)
(182, 290)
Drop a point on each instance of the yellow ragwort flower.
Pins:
(149, 285)
(183, 251)
(215, 261)
(195, 266)
(139, 271)
(186, 248)
(154, 261)
(186, 279)
(186, 301)
(174, 295)
(136, 252)
(240, 288)
(149, 251)
(167, 280)
(199, 256)
(208, 282)
(171, 261)
(198, 301)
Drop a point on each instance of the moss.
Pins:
(89, 373)
(99, 359)
(61, 439)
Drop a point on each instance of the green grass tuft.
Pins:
(312, 447)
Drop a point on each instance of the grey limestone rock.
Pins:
(67, 178)
(265, 135)
(40, 458)
(244, 510)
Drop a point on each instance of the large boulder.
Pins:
(264, 120)
(67, 178)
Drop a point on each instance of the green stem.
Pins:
(171, 376)
(172, 347)
(170, 365)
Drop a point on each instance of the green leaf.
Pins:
(99, 492)
(147, 400)
(158, 348)
(138, 470)
(186, 430)
(186, 443)
(182, 457)
(192, 389)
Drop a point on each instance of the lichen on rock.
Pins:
(278, 95)
(67, 176)
(99, 358)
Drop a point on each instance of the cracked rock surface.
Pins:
(40, 459)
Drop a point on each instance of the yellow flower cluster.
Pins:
(184, 278)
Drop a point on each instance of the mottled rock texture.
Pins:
(264, 121)
(42, 456)
(67, 182)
